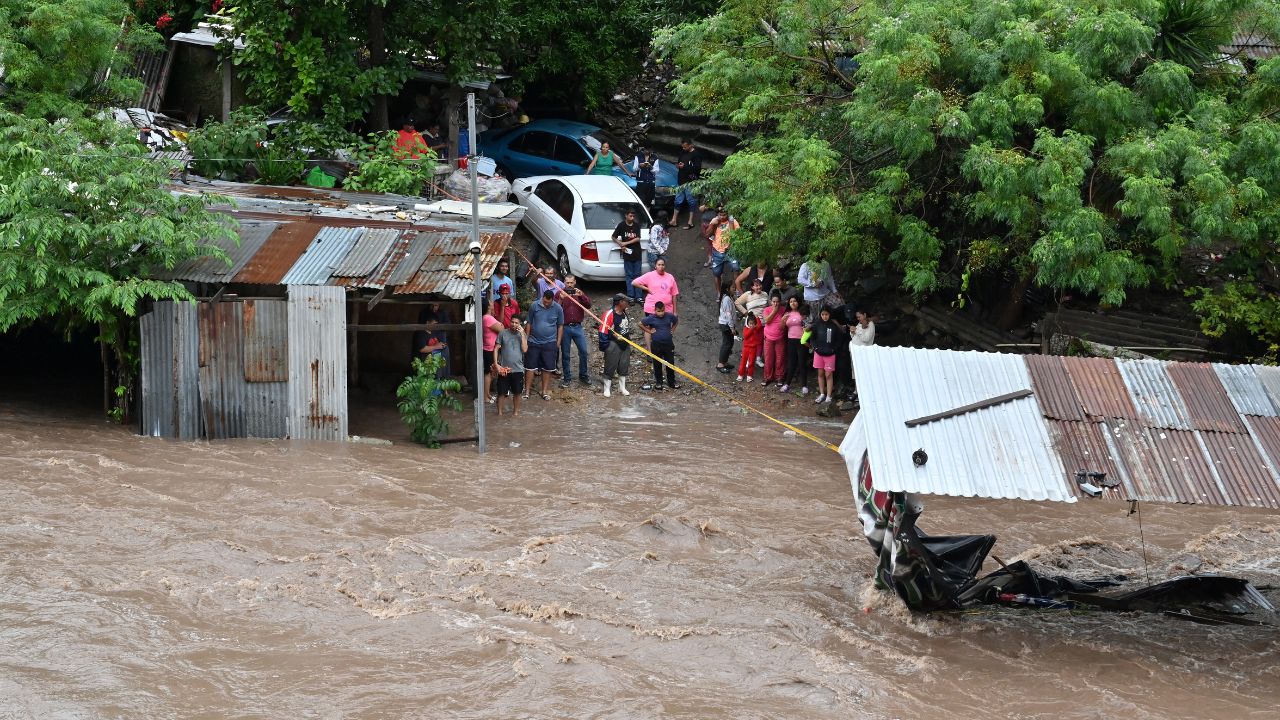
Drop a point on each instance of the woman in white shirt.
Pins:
(862, 332)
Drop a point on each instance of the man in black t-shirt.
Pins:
(688, 169)
(627, 236)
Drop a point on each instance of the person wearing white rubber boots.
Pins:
(617, 354)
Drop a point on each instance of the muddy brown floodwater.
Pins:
(632, 558)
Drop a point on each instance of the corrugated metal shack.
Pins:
(1025, 426)
(275, 340)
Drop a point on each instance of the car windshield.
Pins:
(594, 140)
(606, 216)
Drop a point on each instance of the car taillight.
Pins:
(589, 252)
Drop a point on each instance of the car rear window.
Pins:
(606, 216)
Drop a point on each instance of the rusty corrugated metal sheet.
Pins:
(252, 234)
(170, 371)
(1206, 399)
(1054, 393)
(1163, 465)
(1153, 394)
(409, 263)
(1245, 389)
(317, 386)
(266, 340)
(368, 252)
(222, 383)
(1241, 469)
(278, 253)
(448, 267)
(1265, 432)
(316, 264)
(1100, 388)
(1083, 447)
(378, 278)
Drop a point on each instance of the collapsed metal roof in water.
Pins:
(973, 424)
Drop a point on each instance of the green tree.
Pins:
(1086, 146)
(58, 55)
(85, 224)
(339, 60)
(424, 398)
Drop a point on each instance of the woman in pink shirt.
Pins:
(492, 326)
(659, 287)
(793, 319)
(775, 344)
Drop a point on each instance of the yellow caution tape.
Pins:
(694, 378)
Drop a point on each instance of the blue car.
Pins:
(565, 147)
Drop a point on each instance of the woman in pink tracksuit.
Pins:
(775, 341)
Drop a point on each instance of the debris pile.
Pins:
(636, 103)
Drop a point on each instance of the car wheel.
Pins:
(564, 263)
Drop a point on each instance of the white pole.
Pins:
(472, 156)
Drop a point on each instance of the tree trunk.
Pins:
(1011, 313)
(378, 119)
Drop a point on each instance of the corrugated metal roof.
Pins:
(1247, 394)
(1100, 388)
(1206, 399)
(1270, 379)
(170, 371)
(412, 259)
(317, 386)
(278, 254)
(378, 278)
(211, 269)
(1054, 391)
(1003, 451)
(367, 253)
(316, 264)
(1154, 394)
(1252, 45)
(1217, 456)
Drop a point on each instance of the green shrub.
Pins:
(224, 149)
(383, 168)
(423, 397)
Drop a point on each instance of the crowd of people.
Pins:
(794, 335)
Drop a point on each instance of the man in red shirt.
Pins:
(410, 144)
(572, 301)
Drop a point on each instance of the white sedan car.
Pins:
(574, 216)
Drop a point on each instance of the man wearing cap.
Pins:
(574, 302)
(546, 330)
(506, 306)
(617, 354)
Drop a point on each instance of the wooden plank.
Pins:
(997, 400)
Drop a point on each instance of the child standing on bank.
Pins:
(826, 333)
(775, 343)
(752, 339)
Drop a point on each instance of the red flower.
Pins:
(164, 21)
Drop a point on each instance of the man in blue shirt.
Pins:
(659, 326)
(546, 330)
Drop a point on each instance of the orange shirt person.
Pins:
(410, 144)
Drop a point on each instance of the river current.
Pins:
(631, 558)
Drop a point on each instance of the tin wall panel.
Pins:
(1245, 390)
(222, 384)
(1100, 388)
(325, 252)
(413, 258)
(368, 252)
(266, 340)
(1054, 393)
(1241, 469)
(278, 253)
(1163, 465)
(170, 371)
(317, 385)
(1206, 399)
(252, 234)
(1153, 394)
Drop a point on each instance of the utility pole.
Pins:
(472, 156)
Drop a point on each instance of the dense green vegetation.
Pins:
(1093, 146)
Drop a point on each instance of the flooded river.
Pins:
(632, 558)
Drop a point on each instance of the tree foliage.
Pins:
(57, 55)
(424, 398)
(1088, 146)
